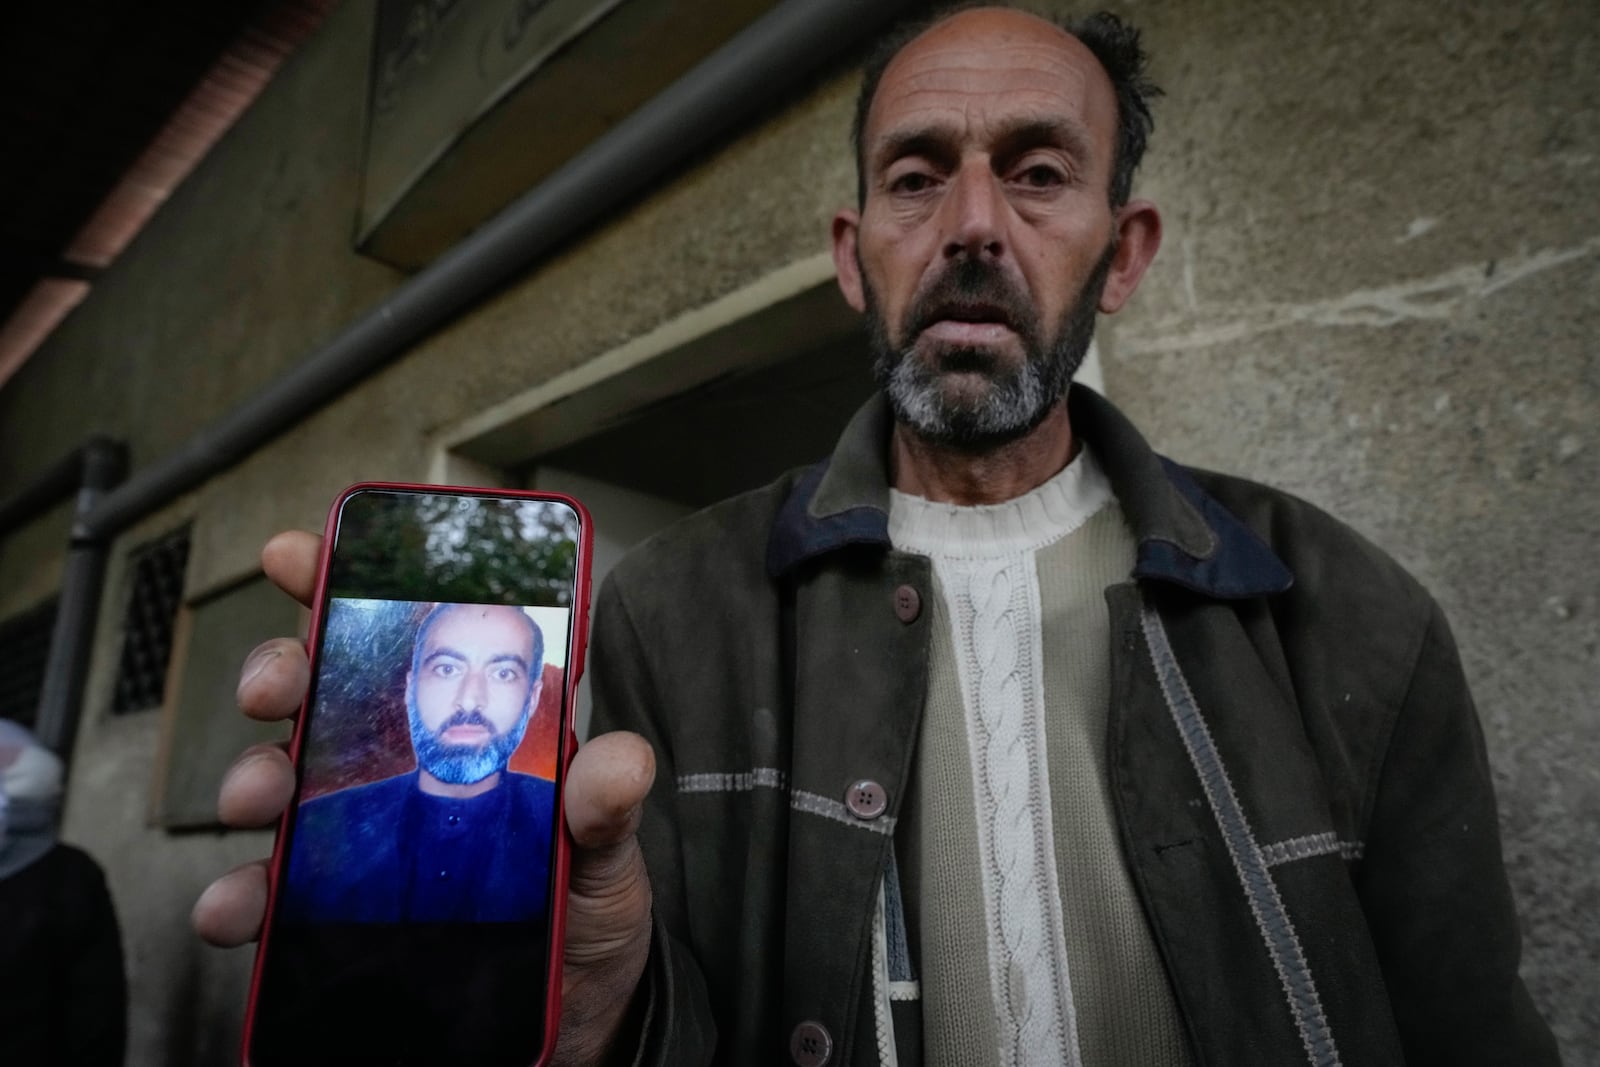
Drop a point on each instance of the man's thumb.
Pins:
(606, 786)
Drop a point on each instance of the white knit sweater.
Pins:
(996, 715)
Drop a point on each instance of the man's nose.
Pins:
(474, 691)
(974, 211)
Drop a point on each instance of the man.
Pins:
(1021, 744)
(63, 993)
(462, 838)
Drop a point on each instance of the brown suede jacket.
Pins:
(1299, 776)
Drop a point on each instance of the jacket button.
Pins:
(866, 799)
(810, 1045)
(907, 603)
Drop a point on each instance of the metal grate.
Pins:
(147, 626)
(24, 647)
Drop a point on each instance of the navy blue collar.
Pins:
(1186, 537)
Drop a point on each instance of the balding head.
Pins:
(1113, 44)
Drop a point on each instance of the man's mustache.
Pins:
(466, 718)
(972, 290)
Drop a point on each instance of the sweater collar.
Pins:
(1028, 523)
(1185, 535)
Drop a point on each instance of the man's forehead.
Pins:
(988, 65)
(460, 620)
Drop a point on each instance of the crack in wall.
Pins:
(1431, 299)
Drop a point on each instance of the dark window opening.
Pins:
(733, 433)
(24, 647)
(147, 626)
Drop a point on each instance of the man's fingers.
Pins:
(231, 910)
(274, 679)
(606, 787)
(257, 788)
(290, 560)
(260, 784)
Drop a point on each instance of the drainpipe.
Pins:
(46, 490)
(91, 470)
(775, 56)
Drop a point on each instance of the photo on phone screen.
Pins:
(429, 775)
(412, 913)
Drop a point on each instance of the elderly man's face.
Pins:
(986, 237)
(471, 691)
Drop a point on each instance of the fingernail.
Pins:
(254, 665)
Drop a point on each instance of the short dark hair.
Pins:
(1113, 42)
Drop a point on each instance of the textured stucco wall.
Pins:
(1377, 290)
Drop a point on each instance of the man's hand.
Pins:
(608, 902)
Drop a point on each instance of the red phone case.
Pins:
(568, 742)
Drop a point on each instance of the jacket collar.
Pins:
(1185, 535)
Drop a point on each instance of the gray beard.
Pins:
(1016, 399)
(464, 764)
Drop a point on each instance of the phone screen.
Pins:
(412, 915)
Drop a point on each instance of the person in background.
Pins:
(63, 992)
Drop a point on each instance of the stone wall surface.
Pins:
(1380, 289)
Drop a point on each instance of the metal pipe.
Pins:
(53, 485)
(773, 56)
(102, 464)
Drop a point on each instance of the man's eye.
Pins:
(445, 670)
(506, 674)
(1040, 176)
(911, 182)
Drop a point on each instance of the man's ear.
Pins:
(846, 229)
(409, 690)
(533, 693)
(1138, 237)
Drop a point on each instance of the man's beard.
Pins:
(1016, 399)
(464, 764)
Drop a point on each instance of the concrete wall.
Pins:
(1380, 267)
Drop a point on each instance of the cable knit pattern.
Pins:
(984, 560)
(996, 623)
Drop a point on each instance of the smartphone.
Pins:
(418, 883)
